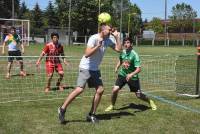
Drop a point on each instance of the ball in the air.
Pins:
(104, 18)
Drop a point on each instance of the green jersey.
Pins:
(131, 58)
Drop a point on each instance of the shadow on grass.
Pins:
(73, 121)
(65, 87)
(18, 75)
(109, 116)
(138, 107)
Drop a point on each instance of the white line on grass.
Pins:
(173, 103)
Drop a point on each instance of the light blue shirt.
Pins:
(93, 62)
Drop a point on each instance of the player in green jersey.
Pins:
(128, 74)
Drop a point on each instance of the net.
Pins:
(159, 73)
(186, 72)
(22, 28)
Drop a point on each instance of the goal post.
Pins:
(198, 70)
(22, 28)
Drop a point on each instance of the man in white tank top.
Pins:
(89, 69)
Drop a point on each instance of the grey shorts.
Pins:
(93, 78)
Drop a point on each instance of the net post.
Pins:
(198, 70)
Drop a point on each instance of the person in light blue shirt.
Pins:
(13, 40)
(89, 72)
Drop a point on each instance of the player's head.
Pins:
(12, 30)
(54, 37)
(128, 43)
(105, 29)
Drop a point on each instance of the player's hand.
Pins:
(125, 64)
(3, 52)
(66, 62)
(116, 70)
(38, 66)
(69, 66)
(100, 42)
(22, 51)
(37, 63)
(115, 33)
(128, 77)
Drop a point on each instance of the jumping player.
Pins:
(89, 69)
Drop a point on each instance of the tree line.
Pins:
(84, 16)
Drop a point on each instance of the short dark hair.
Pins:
(12, 28)
(128, 39)
(54, 34)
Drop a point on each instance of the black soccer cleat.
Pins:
(61, 115)
(92, 118)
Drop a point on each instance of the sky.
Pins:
(150, 8)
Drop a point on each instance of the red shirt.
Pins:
(53, 51)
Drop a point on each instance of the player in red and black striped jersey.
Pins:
(52, 51)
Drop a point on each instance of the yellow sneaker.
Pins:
(109, 108)
(153, 105)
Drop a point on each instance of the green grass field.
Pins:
(26, 109)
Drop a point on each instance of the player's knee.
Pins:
(10, 63)
(50, 76)
(79, 90)
(115, 89)
(61, 73)
(100, 90)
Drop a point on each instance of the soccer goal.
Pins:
(22, 28)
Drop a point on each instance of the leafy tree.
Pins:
(37, 20)
(182, 17)
(156, 25)
(115, 11)
(87, 12)
(23, 11)
(84, 13)
(135, 20)
(50, 16)
(6, 8)
(62, 12)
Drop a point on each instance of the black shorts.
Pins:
(14, 54)
(134, 85)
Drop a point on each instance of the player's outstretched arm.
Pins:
(40, 58)
(65, 60)
(22, 47)
(119, 63)
(3, 47)
(118, 46)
